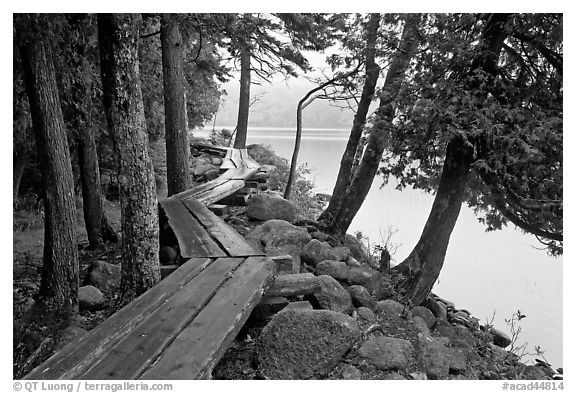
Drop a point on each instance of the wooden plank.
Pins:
(235, 200)
(194, 352)
(234, 244)
(200, 188)
(232, 160)
(221, 150)
(237, 158)
(214, 195)
(218, 209)
(193, 239)
(248, 161)
(234, 173)
(76, 357)
(166, 270)
(239, 173)
(130, 357)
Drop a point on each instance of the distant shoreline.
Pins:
(256, 128)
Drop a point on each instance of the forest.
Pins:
(468, 107)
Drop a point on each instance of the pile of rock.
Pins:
(332, 314)
(205, 167)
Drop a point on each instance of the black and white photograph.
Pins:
(361, 196)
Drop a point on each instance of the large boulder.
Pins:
(388, 353)
(277, 237)
(420, 325)
(332, 296)
(365, 317)
(432, 355)
(90, 298)
(201, 165)
(304, 344)
(349, 372)
(316, 251)
(362, 275)
(462, 337)
(211, 174)
(361, 297)
(437, 308)
(437, 359)
(389, 307)
(284, 263)
(277, 233)
(358, 249)
(271, 207)
(425, 314)
(500, 338)
(104, 276)
(338, 270)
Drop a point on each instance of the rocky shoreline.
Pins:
(333, 312)
(355, 325)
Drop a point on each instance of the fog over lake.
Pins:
(484, 272)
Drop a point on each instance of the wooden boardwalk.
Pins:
(180, 328)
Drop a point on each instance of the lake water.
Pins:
(484, 272)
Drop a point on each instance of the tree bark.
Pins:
(97, 227)
(422, 267)
(244, 102)
(359, 185)
(302, 104)
(177, 145)
(294, 161)
(20, 157)
(118, 36)
(372, 72)
(59, 284)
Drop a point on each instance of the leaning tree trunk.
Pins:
(302, 104)
(118, 36)
(59, 285)
(244, 102)
(422, 267)
(345, 172)
(358, 187)
(177, 145)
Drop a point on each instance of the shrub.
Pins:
(309, 207)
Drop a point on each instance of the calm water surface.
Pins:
(484, 272)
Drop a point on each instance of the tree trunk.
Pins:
(59, 284)
(359, 185)
(303, 103)
(97, 227)
(372, 71)
(118, 36)
(244, 102)
(422, 267)
(177, 145)
(20, 157)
